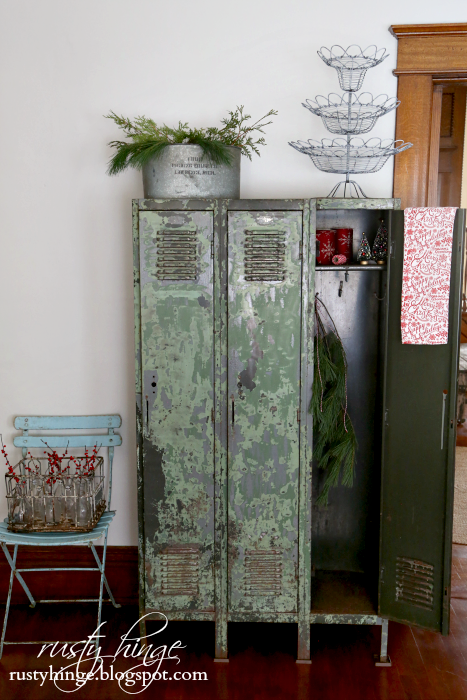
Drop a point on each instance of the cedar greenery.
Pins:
(335, 442)
(147, 140)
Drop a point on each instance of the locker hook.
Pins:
(384, 295)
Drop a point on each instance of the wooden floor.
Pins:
(426, 666)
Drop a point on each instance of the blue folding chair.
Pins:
(50, 539)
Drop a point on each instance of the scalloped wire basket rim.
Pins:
(345, 103)
(343, 144)
(347, 55)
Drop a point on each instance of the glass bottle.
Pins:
(84, 506)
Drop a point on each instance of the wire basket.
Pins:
(354, 156)
(67, 498)
(349, 113)
(352, 63)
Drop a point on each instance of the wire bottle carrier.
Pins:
(69, 498)
(348, 115)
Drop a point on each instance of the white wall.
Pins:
(65, 258)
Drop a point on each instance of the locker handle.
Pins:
(147, 416)
(445, 394)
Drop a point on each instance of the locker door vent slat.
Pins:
(263, 572)
(179, 566)
(264, 256)
(177, 255)
(414, 582)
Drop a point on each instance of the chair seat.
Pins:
(51, 539)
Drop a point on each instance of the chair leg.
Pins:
(116, 605)
(7, 609)
(32, 602)
(101, 588)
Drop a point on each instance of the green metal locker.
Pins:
(228, 523)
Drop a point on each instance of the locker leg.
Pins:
(303, 653)
(221, 639)
(383, 658)
(142, 630)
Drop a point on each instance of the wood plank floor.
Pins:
(426, 666)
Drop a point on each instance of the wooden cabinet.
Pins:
(229, 526)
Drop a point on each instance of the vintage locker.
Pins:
(224, 327)
(264, 313)
(177, 371)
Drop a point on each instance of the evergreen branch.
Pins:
(335, 442)
(147, 140)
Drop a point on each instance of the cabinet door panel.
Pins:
(418, 456)
(264, 311)
(177, 396)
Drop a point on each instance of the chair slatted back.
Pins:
(109, 439)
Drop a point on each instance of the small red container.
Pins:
(326, 245)
(344, 241)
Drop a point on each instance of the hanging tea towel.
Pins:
(428, 236)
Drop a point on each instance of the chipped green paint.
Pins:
(217, 485)
(220, 427)
(177, 397)
(264, 401)
(306, 430)
(358, 203)
(336, 619)
(139, 424)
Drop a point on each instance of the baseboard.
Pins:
(121, 570)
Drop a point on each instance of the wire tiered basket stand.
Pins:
(348, 115)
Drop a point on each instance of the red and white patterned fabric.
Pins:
(428, 234)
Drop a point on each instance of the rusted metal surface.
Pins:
(343, 619)
(263, 404)
(182, 170)
(177, 405)
(225, 435)
(139, 418)
(414, 582)
(362, 204)
(308, 253)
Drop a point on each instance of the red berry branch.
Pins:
(58, 466)
(10, 468)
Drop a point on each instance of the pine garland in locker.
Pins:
(335, 442)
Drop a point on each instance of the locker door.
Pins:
(264, 308)
(177, 406)
(419, 440)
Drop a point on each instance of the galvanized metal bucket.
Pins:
(183, 171)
